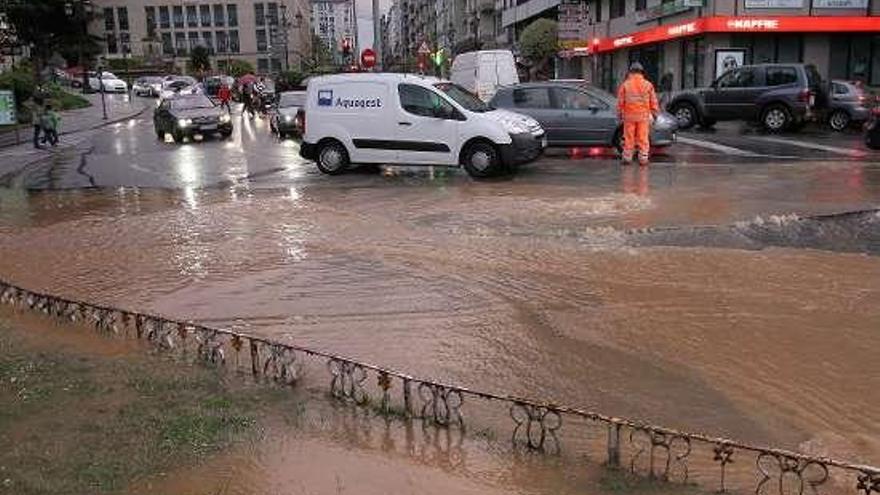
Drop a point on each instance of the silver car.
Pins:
(849, 103)
(577, 114)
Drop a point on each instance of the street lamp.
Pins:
(77, 10)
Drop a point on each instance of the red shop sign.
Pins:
(724, 24)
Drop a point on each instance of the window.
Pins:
(276, 65)
(109, 25)
(112, 46)
(122, 15)
(262, 65)
(839, 89)
(780, 76)
(262, 44)
(643, 4)
(693, 61)
(597, 11)
(740, 78)
(221, 41)
(180, 44)
(125, 42)
(423, 102)
(208, 40)
(193, 39)
(167, 45)
(234, 46)
(571, 99)
(259, 15)
(272, 15)
(164, 19)
(150, 15)
(205, 15)
(192, 19)
(531, 98)
(232, 14)
(178, 16)
(219, 18)
(618, 9)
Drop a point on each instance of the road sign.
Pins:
(7, 108)
(368, 58)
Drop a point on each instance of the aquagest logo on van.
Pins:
(325, 99)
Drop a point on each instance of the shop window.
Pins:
(693, 60)
(856, 58)
(780, 76)
(531, 98)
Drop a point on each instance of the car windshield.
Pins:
(291, 100)
(191, 102)
(463, 97)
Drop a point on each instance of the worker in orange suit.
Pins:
(637, 106)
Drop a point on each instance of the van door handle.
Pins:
(404, 123)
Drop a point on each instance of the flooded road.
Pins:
(708, 296)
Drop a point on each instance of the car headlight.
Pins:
(225, 118)
(288, 118)
(183, 122)
(513, 126)
(666, 120)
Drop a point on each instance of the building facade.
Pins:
(690, 42)
(335, 23)
(271, 36)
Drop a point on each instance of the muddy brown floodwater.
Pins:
(532, 292)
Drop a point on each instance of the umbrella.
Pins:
(247, 79)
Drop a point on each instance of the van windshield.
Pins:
(463, 97)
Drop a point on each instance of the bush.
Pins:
(21, 81)
(238, 68)
(289, 80)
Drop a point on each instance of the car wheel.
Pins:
(686, 115)
(160, 134)
(332, 158)
(839, 120)
(481, 160)
(776, 118)
(225, 134)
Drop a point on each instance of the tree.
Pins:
(200, 59)
(539, 45)
(321, 55)
(238, 68)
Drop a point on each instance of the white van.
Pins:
(409, 120)
(483, 72)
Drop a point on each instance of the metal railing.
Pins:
(657, 452)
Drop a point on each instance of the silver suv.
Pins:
(778, 96)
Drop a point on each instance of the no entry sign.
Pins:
(368, 58)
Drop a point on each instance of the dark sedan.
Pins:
(283, 120)
(189, 114)
(576, 114)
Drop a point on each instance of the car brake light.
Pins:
(300, 121)
(804, 95)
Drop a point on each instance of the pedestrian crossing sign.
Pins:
(7, 107)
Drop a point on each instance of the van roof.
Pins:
(393, 77)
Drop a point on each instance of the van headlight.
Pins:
(183, 122)
(225, 118)
(513, 126)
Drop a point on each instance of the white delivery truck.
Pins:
(484, 71)
(410, 120)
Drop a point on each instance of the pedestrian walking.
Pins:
(637, 106)
(35, 106)
(225, 95)
(247, 98)
(50, 123)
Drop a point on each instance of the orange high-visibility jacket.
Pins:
(636, 99)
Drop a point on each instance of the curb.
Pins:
(107, 122)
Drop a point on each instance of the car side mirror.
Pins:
(593, 108)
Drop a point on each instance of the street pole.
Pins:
(377, 35)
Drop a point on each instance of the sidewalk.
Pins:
(14, 156)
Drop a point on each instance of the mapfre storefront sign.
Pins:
(751, 24)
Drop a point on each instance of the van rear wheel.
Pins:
(481, 160)
(332, 158)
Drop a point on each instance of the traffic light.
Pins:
(438, 57)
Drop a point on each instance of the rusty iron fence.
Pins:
(653, 451)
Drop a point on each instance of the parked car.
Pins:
(174, 85)
(147, 86)
(187, 115)
(411, 120)
(482, 72)
(574, 113)
(283, 118)
(778, 96)
(849, 103)
(108, 83)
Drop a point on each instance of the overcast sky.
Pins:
(365, 20)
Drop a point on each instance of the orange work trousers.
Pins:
(637, 134)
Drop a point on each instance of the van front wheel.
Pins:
(481, 160)
(332, 158)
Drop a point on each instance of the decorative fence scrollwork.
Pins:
(658, 452)
(441, 405)
(347, 380)
(536, 425)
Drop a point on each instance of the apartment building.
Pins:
(335, 23)
(693, 41)
(230, 30)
